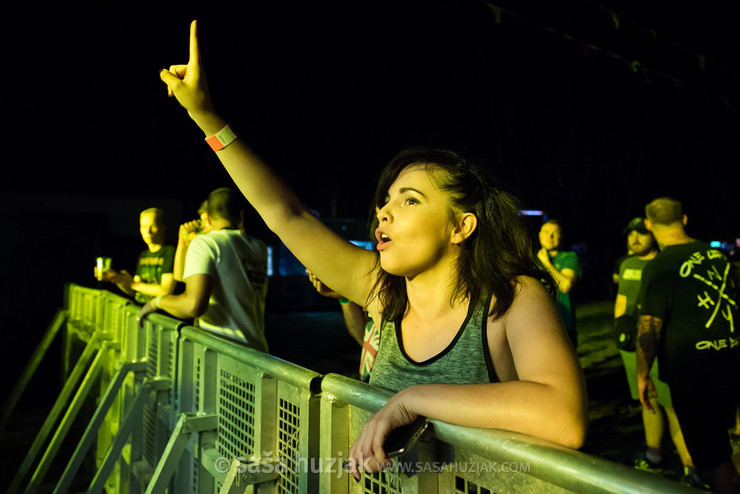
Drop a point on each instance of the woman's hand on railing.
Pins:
(367, 451)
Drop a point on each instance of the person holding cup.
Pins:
(154, 268)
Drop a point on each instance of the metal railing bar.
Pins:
(283, 370)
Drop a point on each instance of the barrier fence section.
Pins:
(200, 414)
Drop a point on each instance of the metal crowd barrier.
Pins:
(184, 411)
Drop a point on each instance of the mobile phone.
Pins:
(402, 439)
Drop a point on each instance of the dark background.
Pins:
(586, 110)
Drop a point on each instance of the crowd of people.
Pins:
(457, 304)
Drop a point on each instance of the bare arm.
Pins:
(186, 233)
(165, 287)
(355, 316)
(178, 269)
(565, 278)
(620, 305)
(340, 264)
(548, 400)
(122, 279)
(355, 319)
(649, 332)
(190, 304)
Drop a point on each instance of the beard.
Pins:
(640, 249)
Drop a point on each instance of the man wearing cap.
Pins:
(644, 248)
(687, 320)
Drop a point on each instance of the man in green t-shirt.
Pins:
(565, 268)
(153, 275)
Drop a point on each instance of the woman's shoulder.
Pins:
(528, 287)
(529, 292)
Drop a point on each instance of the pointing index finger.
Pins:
(194, 49)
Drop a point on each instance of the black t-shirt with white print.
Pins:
(690, 287)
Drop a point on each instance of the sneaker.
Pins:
(642, 463)
(693, 480)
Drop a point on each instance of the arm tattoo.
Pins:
(648, 335)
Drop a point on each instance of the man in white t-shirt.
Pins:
(225, 277)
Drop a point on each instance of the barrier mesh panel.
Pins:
(236, 405)
(170, 365)
(288, 435)
(194, 474)
(196, 387)
(464, 486)
(150, 434)
(150, 426)
(89, 309)
(151, 355)
(383, 482)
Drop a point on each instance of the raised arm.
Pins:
(564, 278)
(187, 232)
(336, 261)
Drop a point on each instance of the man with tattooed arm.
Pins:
(687, 321)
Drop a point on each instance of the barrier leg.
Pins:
(60, 405)
(186, 426)
(66, 422)
(38, 355)
(133, 418)
(90, 434)
(241, 475)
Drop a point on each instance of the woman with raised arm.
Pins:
(469, 334)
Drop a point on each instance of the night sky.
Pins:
(547, 94)
(327, 92)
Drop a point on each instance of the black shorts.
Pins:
(705, 416)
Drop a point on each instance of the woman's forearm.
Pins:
(539, 410)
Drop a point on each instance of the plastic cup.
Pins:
(102, 264)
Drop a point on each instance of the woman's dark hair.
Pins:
(499, 250)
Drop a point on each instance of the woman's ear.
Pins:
(466, 225)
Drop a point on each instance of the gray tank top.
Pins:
(466, 360)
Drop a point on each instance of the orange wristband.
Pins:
(221, 139)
